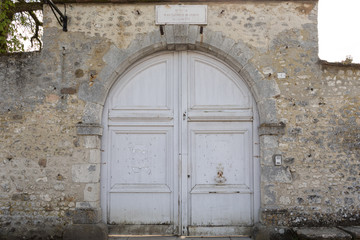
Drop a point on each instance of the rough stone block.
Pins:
(95, 156)
(91, 142)
(92, 192)
(265, 89)
(241, 53)
(261, 232)
(86, 232)
(354, 231)
(251, 75)
(269, 141)
(269, 196)
(276, 174)
(181, 47)
(20, 197)
(181, 33)
(169, 34)
(69, 91)
(87, 205)
(193, 32)
(206, 37)
(92, 113)
(267, 156)
(322, 233)
(86, 216)
(227, 45)
(157, 40)
(95, 93)
(86, 173)
(267, 111)
(145, 41)
(108, 73)
(115, 56)
(217, 39)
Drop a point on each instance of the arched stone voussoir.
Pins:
(241, 54)
(184, 37)
(95, 92)
(261, 87)
(265, 89)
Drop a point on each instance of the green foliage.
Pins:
(17, 27)
(5, 25)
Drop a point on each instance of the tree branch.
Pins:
(37, 25)
(23, 6)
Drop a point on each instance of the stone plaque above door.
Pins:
(181, 14)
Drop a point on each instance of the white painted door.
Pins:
(179, 148)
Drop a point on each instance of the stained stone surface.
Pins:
(322, 234)
(51, 108)
(353, 230)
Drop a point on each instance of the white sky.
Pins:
(339, 31)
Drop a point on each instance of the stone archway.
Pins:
(179, 38)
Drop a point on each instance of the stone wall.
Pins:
(51, 107)
(319, 182)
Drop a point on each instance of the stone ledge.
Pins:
(89, 129)
(322, 233)
(272, 129)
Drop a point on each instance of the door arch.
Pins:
(179, 148)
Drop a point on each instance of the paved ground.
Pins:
(178, 238)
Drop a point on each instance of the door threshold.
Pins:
(180, 237)
(136, 236)
(224, 236)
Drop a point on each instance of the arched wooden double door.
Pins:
(178, 148)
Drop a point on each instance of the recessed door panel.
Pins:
(220, 209)
(211, 86)
(140, 155)
(148, 87)
(141, 168)
(134, 208)
(216, 150)
(221, 186)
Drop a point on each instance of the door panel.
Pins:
(179, 148)
(141, 186)
(219, 209)
(217, 148)
(143, 150)
(140, 155)
(147, 88)
(140, 208)
(212, 86)
(221, 186)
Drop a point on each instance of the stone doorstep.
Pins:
(100, 231)
(322, 233)
(353, 230)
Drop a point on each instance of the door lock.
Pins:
(184, 115)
